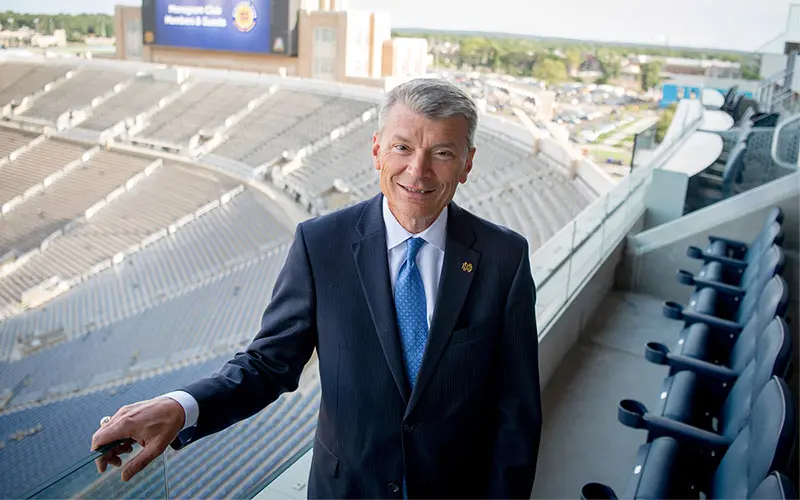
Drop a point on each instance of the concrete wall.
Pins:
(266, 63)
(653, 271)
(565, 331)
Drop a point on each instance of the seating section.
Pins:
(67, 199)
(125, 275)
(19, 80)
(136, 98)
(75, 93)
(726, 426)
(161, 199)
(12, 139)
(745, 163)
(35, 165)
(507, 185)
(216, 243)
(212, 467)
(204, 106)
(221, 309)
(287, 121)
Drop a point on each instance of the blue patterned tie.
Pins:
(412, 310)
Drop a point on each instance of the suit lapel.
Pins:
(459, 266)
(373, 271)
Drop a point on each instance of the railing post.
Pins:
(571, 258)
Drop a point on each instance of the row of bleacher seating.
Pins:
(35, 165)
(727, 423)
(207, 247)
(204, 106)
(13, 139)
(287, 121)
(76, 93)
(19, 80)
(138, 97)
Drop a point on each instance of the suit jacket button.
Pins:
(409, 427)
(394, 488)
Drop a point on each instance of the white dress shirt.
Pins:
(429, 262)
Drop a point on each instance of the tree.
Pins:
(651, 75)
(574, 58)
(664, 120)
(550, 70)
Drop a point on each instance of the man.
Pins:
(422, 316)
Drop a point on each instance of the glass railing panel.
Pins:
(552, 254)
(289, 482)
(550, 274)
(588, 243)
(551, 296)
(271, 440)
(82, 480)
(616, 215)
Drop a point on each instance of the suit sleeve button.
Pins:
(394, 488)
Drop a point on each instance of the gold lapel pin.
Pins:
(466, 267)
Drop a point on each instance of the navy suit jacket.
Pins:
(471, 426)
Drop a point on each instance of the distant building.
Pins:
(712, 68)
(320, 39)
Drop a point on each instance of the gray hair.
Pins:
(434, 99)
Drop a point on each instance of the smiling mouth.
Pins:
(416, 191)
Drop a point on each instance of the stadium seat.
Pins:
(715, 272)
(683, 461)
(728, 302)
(710, 338)
(710, 187)
(738, 254)
(730, 98)
(775, 486)
(719, 398)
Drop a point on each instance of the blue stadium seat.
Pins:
(711, 338)
(738, 254)
(775, 486)
(719, 398)
(713, 185)
(728, 302)
(685, 461)
(715, 273)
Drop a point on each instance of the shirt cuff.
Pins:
(191, 409)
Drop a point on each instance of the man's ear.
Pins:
(468, 168)
(376, 149)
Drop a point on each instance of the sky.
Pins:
(728, 24)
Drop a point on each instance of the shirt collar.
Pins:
(396, 234)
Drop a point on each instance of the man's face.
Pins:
(421, 161)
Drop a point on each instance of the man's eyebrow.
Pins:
(400, 138)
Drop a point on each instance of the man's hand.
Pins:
(154, 424)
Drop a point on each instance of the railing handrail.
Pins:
(72, 469)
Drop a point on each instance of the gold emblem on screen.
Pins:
(244, 16)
